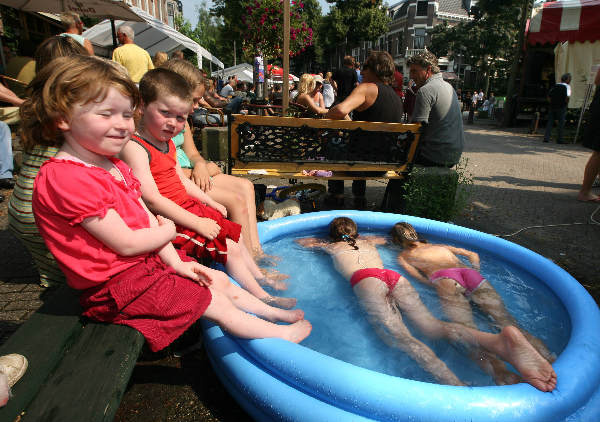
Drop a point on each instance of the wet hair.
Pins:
(404, 232)
(425, 60)
(343, 229)
(382, 65)
(307, 84)
(56, 89)
(192, 75)
(157, 83)
(54, 47)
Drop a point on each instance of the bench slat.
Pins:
(42, 339)
(92, 377)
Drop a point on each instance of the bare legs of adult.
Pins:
(592, 169)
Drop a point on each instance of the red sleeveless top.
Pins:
(162, 167)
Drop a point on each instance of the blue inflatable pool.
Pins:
(276, 380)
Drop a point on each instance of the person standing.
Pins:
(135, 59)
(73, 27)
(328, 91)
(442, 142)
(558, 96)
(591, 140)
(345, 79)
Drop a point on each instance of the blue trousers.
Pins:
(558, 114)
(6, 155)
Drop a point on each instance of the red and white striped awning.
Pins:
(566, 20)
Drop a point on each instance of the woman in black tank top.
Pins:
(374, 100)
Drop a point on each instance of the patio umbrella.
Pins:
(110, 9)
(277, 73)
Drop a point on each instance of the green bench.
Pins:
(78, 369)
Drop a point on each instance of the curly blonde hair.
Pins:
(307, 84)
(56, 89)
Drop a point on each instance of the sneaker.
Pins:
(13, 366)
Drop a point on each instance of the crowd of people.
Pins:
(126, 210)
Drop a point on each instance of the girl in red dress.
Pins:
(88, 209)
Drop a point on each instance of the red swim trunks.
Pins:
(469, 278)
(389, 277)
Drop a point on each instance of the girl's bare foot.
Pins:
(297, 331)
(273, 278)
(589, 197)
(264, 260)
(284, 315)
(534, 369)
(281, 302)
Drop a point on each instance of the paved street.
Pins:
(518, 182)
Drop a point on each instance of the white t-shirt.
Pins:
(226, 91)
(568, 88)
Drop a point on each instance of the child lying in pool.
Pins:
(386, 297)
(456, 284)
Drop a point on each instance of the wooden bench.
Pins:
(78, 369)
(284, 146)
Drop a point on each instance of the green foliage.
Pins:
(264, 28)
(486, 41)
(354, 21)
(308, 61)
(437, 193)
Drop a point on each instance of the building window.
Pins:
(419, 40)
(422, 8)
(171, 14)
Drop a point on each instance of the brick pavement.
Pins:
(518, 181)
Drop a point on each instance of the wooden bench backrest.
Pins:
(288, 139)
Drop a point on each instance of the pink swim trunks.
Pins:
(469, 278)
(389, 277)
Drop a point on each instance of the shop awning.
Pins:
(567, 20)
(152, 35)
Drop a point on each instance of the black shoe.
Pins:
(7, 183)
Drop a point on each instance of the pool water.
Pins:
(341, 330)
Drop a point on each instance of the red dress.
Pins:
(139, 291)
(163, 169)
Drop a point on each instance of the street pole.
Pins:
(234, 62)
(286, 57)
(514, 70)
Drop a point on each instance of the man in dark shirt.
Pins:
(346, 79)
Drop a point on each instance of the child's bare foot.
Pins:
(273, 278)
(264, 260)
(506, 377)
(540, 347)
(496, 368)
(589, 197)
(298, 331)
(534, 369)
(284, 315)
(281, 302)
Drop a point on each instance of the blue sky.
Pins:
(189, 8)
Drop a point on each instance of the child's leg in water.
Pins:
(229, 306)
(387, 322)
(272, 278)
(488, 299)
(238, 269)
(510, 345)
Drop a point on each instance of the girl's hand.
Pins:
(167, 225)
(219, 208)
(208, 228)
(201, 176)
(194, 271)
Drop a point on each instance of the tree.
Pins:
(367, 19)
(264, 28)
(487, 41)
(312, 57)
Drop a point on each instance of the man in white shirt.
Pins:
(227, 90)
